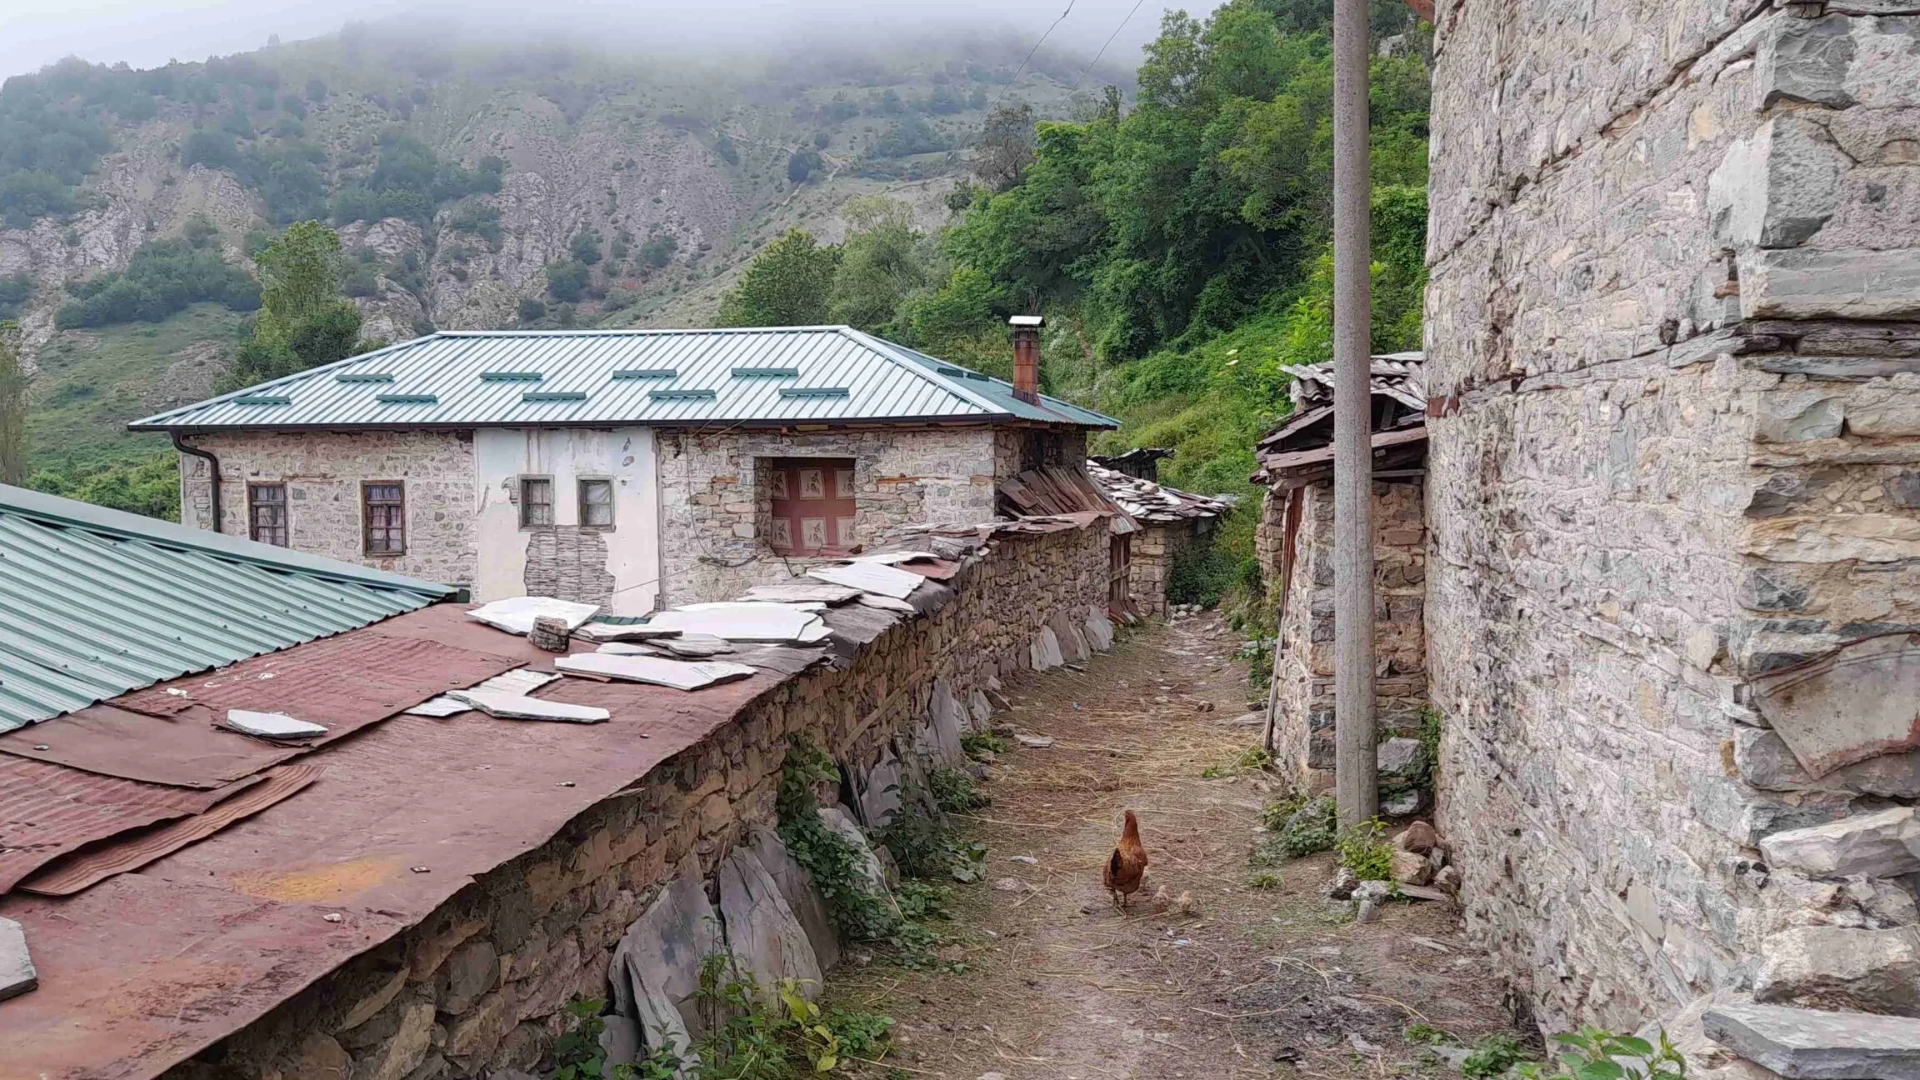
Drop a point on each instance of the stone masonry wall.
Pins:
(1303, 662)
(712, 498)
(1152, 553)
(1666, 458)
(481, 984)
(323, 472)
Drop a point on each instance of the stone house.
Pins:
(628, 469)
(1294, 542)
(1170, 524)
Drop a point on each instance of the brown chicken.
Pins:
(1127, 865)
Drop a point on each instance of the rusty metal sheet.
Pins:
(120, 855)
(146, 969)
(175, 738)
(48, 810)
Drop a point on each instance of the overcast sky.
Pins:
(147, 33)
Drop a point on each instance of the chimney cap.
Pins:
(1027, 320)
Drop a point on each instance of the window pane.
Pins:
(267, 513)
(536, 501)
(385, 515)
(596, 502)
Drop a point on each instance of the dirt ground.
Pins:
(1251, 982)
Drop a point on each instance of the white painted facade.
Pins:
(503, 457)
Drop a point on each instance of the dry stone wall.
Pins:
(1303, 661)
(323, 472)
(1670, 456)
(481, 985)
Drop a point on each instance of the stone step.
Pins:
(1810, 1044)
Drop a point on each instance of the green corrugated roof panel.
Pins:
(95, 602)
(710, 376)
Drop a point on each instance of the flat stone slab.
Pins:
(1855, 703)
(801, 590)
(870, 577)
(17, 975)
(273, 725)
(1809, 1044)
(763, 934)
(516, 615)
(736, 621)
(1886, 844)
(679, 674)
(508, 706)
(1842, 968)
(519, 681)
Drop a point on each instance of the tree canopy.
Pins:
(303, 321)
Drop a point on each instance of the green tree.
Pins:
(13, 407)
(883, 262)
(790, 283)
(303, 320)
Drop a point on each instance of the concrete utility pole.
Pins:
(1356, 783)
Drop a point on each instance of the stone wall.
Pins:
(714, 503)
(1303, 661)
(481, 984)
(1664, 462)
(323, 472)
(1152, 552)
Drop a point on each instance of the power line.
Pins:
(1017, 72)
(1103, 48)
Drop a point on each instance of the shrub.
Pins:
(1597, 1054)
(953, 791)
(585, 246)
(1492, 1056)
(480, 219)
(163, 277)
(978, 744)
(531, 310)
(567, 281)
(1311, 829)
(1365, 851)
(658, 251)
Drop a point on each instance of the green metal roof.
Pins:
(653, 377)
(95, 602)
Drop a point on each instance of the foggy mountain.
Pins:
(475, 183)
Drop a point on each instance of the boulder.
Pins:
(796, 887)
(1809, 1044)
(1401, 804)
(1834, 967)
(1706, 1059)
(1886, 844)
(1402, 762)
(656, 967)
(765, 938)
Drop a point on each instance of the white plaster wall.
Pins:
(503, 455)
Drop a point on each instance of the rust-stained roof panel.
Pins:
(47, 810)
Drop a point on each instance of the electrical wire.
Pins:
(1017, 72)
(1103, 48)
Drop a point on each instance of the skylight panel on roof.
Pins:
(263, 399)
(511, 376)
(766, 373)
(363, 377)
(814, 392)
(647, 373)
(681, 395)
(532, 397)
(408, 399)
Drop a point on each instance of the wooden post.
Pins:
(1356, 785)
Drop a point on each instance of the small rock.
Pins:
(1411, 869)
(1402, 758)
(993, 1076)
(1420, 837)
(1342, 885)
(1011, 884)
(17, 974)
(550, 634)
(1361, 1045)
(1401, 804)
(1372, 890)
(1252, 719)
(1035, 742)
(333, 916)
(1368, 911)
(1453, 1056)
(1423, 892)
(1448, 878)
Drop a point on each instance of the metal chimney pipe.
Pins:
(1026, 356)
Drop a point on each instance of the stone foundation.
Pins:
(1303, 661)
(481, 984)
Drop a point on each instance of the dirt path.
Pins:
(1246, 983)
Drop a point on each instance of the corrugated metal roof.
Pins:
(95, 602)
(694, 378)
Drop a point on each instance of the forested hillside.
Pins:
(1179, 244)
(472, 185)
